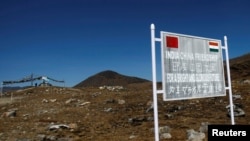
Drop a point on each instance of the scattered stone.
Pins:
(52, 100)
(246, 81)
(164, 129)
(11, 113)
(130, 120)
(25, 115)
(165, 136)
(238, 105)
(108, 110)
(101, 87)
(150, 108)
(236, 96)
(164, 132)
(70, 100)
(73, 126)
(238, 112)
(84, 103)
(51, 138)
(137, 120)
(42, 112)
(121, 101)
(149, 103)
(195, 136)
(169, 116)
(63, 126)
(221, 101)
(132, 137)
(41, 137)
(204, 127)
(96, 94)
(111, 88)
(45, 101)
(175, 108)
(150, 118)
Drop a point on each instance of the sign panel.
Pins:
(192, 67)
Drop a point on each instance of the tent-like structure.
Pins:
(31, 79)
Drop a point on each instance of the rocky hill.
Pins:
(93, 114)
(240, 67)
(109, 78)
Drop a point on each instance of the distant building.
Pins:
(45, 84)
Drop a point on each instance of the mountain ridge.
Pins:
(239, 70)
(110, 78)
(240, 67)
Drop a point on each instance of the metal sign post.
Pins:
(229, 87)
(156, 128)
(192, 67)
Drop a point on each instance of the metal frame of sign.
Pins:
(154, 78)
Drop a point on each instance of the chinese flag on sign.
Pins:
(172, 41)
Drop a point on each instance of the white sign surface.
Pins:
(192, 67)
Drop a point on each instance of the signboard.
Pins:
(192, 67)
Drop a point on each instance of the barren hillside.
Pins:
(240, 67)
(124, 113)
(109, 78)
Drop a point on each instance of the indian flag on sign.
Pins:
(213, 46)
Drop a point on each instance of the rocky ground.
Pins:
(69, 114)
